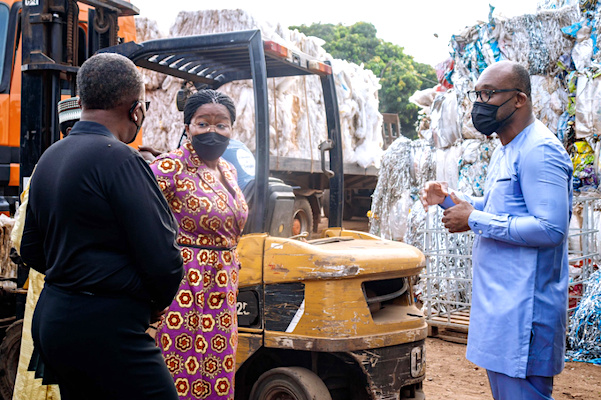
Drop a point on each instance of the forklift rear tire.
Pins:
(289, 383)
(9, 359)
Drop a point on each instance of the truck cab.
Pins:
(10, 102)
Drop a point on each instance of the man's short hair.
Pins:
(522, 78)
(106, 81)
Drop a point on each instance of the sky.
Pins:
(422, 27)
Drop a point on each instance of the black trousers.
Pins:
(97, 347)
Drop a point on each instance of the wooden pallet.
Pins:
(452, 328)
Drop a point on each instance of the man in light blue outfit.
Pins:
(243, 160)
(520, 255)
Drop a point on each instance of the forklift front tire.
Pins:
(295, 383)
(304, 215)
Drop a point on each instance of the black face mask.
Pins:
(484, 117)
(138, 127)
(210, 146)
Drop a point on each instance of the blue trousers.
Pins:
(504, 387)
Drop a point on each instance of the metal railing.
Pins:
(447, 280)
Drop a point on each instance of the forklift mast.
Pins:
(215, 59)
(52, 54)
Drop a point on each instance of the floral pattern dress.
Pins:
(198, 335)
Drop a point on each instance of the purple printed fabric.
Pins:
(199, 334)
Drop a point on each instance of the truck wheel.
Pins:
(289, 383)
(9, 359)
(303, 216)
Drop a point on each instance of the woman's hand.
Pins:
(149, 149)
(148, 153)
(157, 315)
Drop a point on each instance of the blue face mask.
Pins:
(210, 146)
(484, 117)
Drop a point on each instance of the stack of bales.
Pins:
(297, 115)
(564, 94)
(559, 45)
(8, 269)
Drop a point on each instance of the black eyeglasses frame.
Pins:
(473, 95)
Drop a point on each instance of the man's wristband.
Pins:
(447, 203)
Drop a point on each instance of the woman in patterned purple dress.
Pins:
(198, 336)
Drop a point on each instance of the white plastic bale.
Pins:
(464, 84)
(426, 135)
(441, 156)
(447, 165)
(8, 269)
(588, 107)
(361, 122)
(393, 180)
(297, 114)
(163, 125)
(487, 35)
(406, 166)
(149, 30)
(536, 40)
(533, 40)
(422, 163)
(473, 165)
(597, 159)
(548, 102)
(554, 4)
(596, 225)
(574, 242)
(596, 26)
(445, 122)
(423, 98)
(582, 54)
(451, 166)
(399, 215)
(468, 130)
(416, 224)
(470, 153)
(584, 327)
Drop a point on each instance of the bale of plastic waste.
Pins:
(585, 325)
(297, 115)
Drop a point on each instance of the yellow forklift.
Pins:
(330, 318)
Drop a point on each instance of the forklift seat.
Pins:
(280, 208)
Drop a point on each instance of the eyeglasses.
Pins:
(486, 94)
(133, 107)
(204, 127)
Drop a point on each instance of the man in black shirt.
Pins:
(100, 229)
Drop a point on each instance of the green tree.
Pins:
(400, 75)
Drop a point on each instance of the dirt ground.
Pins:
(450, 376)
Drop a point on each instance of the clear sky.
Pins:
(422, 27)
